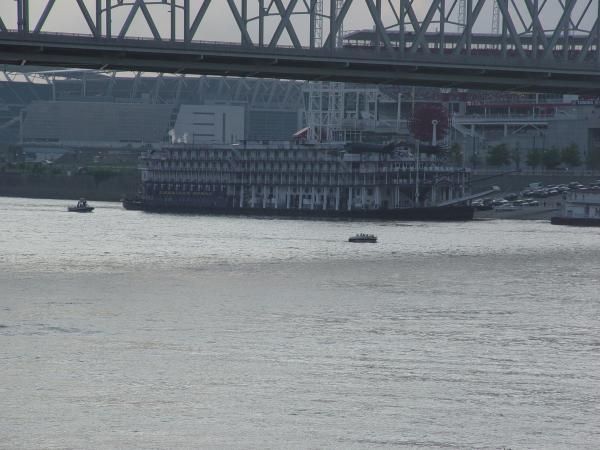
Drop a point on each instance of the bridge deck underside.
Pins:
(366, 64)
(534, 45)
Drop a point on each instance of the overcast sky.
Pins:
(220, 26)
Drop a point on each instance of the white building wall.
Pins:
(96, 123)
(210, 124)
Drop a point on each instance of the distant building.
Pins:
(76, 123)
(50, 112)
(209, 124)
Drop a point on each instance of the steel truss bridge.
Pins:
(530, 45)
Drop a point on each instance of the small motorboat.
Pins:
(81, 207)
(361, 237)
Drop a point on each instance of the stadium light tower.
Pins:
(340, 33)
(461, 21)
(495, 18)
(462, 15)
(325, 107)
(319, 23)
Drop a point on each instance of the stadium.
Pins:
(48, 113)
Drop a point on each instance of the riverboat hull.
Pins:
(435, 213)
(575, 221)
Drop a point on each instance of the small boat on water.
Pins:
(81, 207)
(361, 237)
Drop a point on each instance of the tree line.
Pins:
(550, 158)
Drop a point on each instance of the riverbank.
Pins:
(524, 213)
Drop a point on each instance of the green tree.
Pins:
(593, 159)
(551, 158)
(570, 156)
(498, 155)
(38, 168)
(455, 154)
(534, 158)
(475, 160)
(515, 156)
(101, 174)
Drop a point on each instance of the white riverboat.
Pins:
(372, 181)
(580, 208)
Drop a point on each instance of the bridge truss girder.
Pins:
(550, 37)
(549, 22)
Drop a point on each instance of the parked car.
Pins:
(506, 207)
(482, 205)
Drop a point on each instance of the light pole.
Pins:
(417, 175)
(399, 112)
(434, 123)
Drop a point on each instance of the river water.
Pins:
(123, 329)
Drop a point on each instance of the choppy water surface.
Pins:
(122, 329)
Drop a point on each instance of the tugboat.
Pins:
(361, 237)
(81, 207)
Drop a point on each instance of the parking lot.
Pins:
(533, 202)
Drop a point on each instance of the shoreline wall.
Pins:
(111, 188)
